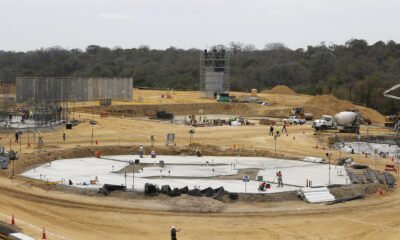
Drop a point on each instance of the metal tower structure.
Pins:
(386, 93)
(214, 71)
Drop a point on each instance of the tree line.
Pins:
(354, 71)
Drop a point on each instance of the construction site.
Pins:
(96, 158)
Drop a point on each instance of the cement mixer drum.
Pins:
(346, 118)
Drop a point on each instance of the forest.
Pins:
(355, 71)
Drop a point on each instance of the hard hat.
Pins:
(172, 226)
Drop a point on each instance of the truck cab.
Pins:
(326, 122)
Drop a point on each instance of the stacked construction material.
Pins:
(153, 190)
(389, 179)
(316, 195)
(314, 159)
(369, 176)
(19, 236)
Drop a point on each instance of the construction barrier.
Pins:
(390, 167)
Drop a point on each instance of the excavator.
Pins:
(299, 112)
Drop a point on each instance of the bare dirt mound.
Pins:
(329, 104)
(280, 89)
(150, 110)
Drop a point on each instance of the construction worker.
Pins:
(16, 136)
(280, 182)
(262, 186)
(173, 232)
(198, 152)
(40, 142)
(30, 114)
(64, 134)
(153, 153)
(278, 129)
(284, 127)
(141, 150)
(271, 131)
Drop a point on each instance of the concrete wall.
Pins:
(73, 89)
(214, 83)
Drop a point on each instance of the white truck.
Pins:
(347, 121)
(294, 120)
(326, 122)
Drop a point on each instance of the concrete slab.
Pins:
(183, 171)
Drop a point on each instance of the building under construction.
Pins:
(43, 102)
(29, 114)
(214, 71)
(73, 89)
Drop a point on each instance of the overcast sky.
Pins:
(33, 24)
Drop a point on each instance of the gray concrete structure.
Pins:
(72, 89)
(215, 71)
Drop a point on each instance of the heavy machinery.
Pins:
(299, 111)
(392, 120)
(5, 157)
(347, 121)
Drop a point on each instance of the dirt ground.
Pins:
(74, 216)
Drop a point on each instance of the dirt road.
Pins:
(80, 217)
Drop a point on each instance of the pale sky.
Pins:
(33, 24)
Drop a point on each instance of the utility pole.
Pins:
(92, 121)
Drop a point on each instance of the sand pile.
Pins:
(330, 105)
(280, 89)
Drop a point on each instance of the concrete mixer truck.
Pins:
(347, 121)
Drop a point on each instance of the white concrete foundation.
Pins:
(191, 171)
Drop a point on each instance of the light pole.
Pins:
(132, 163)
(191, 132)
(329, 156)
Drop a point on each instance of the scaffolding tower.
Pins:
(214, 71)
